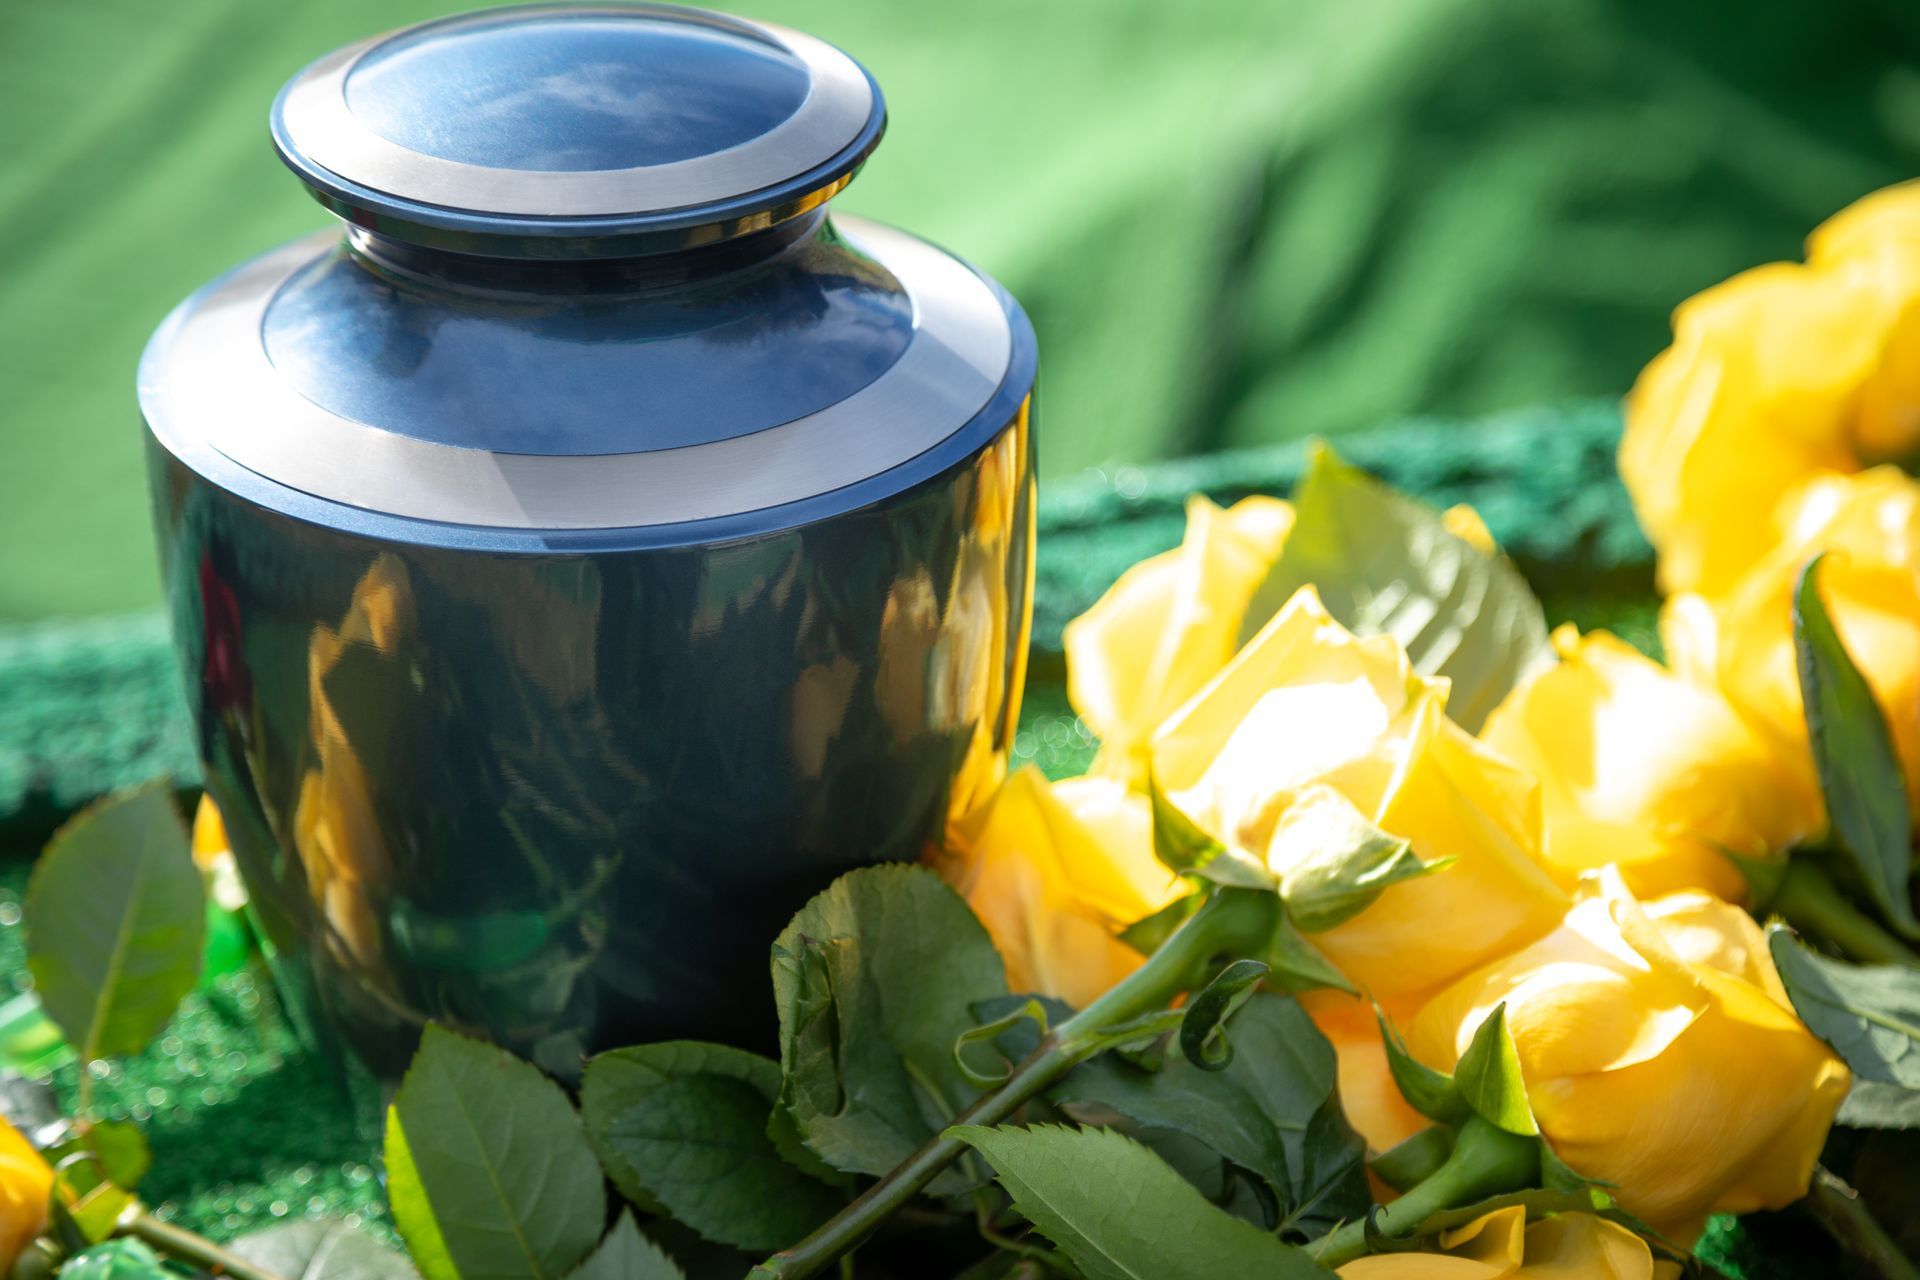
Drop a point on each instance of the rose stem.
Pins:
(1485, 1162)
(1232, 923)
(1841, 1211)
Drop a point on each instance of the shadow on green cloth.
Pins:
(1233, 223)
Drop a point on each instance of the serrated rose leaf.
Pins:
(1872, 1104)
(627, 1255)
(1868, 1014)
(326, 1249)
(874, 980)
(488, 1169)
(1387, 565)
(699, 1145)
(1258, 1112)
(1853, 752)
(1120, 1212)
(616, 1079)
(115, 915)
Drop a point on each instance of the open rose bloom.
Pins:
(1642, 769)
(1237, 760)
(1502, 1245)
(1782, 372)
(1660, 1054)
(1579, 875)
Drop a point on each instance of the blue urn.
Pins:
(594, 546)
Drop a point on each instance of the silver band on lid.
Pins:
(324, 129)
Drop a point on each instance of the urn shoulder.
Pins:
(589, 292)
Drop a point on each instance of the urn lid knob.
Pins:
(578, 130)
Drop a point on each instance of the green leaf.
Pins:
(326, 1249)
(1869, 1014)
(1557, 1175)
(1184, 846)
(626, 1255)
(1297, 964)
(1179, 842)
(873, 980)
(1431, 1093)
(1538, 1204)
(1331, 1185)
(1256, 1113)
(115, 914)
(1203, 1037)
(1120, 1213)
(117, 1260)
(412, 1212)
(616, 1081)
(1385, 564)
(1874, 1104)
(1333, 862)
(1764, 876)
(1488, 1077)
(1409, 1162)
(1542, 1202)
(699, 1145)
(112, 1150)
(88, 1203)
(700, 1259)
(1149, 933)
(122, 1151)
(1019, 1036)
(988, 1032)
(1860, 773)
(488, 1169)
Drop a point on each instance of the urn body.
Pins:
(598, 546)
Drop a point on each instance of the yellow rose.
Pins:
(337, 836)
(1743, 642)
(1645, 770)
(25, 1184)
(1880, 234)
(1372, 1101)
(1171, 622)
(1306, 707)
(1464, 523)
(1659, 1052)
(1568, 1246)
(210, 844)
(1781, 371)
(335, 830)
(1055, 871)
(213, 854)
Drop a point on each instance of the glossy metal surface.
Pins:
(818, 367)
(579, 123)
(560, 612)
(566, 800)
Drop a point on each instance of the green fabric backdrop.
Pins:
(1233, 222)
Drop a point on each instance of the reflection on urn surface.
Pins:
(576, 569)
(564, 800)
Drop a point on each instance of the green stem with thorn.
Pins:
(1809, 901)
(1233, 923)
(1839, 1209)
(1485, 1162)
(177, 1242)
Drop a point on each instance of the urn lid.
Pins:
(564, 316)
(584, 130)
